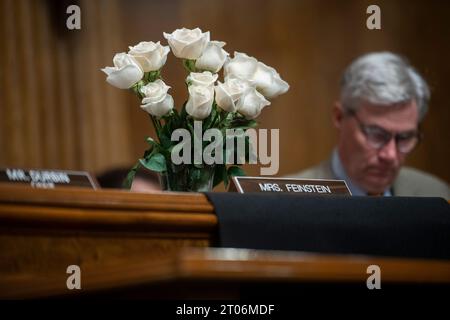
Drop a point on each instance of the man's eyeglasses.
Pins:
(378, 137)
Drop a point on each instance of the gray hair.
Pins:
(383, 78)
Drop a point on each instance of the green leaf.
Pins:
(152, 75)
(235, 171)
(166, 143)
(128, 181)
(220, 174)
(172, 121)
(210, 120)
(190, 127)
(245, 124)
(157, 163)
(183, 112)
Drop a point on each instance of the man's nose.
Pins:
(389, 151)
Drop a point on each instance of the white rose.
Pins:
(150, 56)
(187, 43)
(204, 78)
(200, 101)
(268, 81)
(125, 73)
(156, 101)
(213, 57)
(251, 103)
(241, 66)
(229, 92)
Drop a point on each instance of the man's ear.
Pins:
(337, 114)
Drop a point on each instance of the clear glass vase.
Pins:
(188, 178)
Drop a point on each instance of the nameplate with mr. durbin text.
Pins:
(47, 178)
(312, 187)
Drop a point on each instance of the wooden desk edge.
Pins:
(232, 265)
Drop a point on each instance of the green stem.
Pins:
(157, 126)
(136, 90)
(223, 118)
(189, 65)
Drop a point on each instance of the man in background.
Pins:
(382, 103)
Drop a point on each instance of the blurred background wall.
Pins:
(57, 111)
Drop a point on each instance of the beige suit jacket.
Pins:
(409, 182)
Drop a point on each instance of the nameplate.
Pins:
(306, 187)
(47, 179)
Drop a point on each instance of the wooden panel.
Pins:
(55, 109)
(220, 267)
(298, 266)
(44, 231)
(105, 198)
(134, 244)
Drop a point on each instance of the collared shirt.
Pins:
(339, 172)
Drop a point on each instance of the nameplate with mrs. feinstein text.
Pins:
(47, 178)
(305, 187)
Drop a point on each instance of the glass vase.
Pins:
(187, 178)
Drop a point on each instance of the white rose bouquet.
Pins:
(233, 103)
